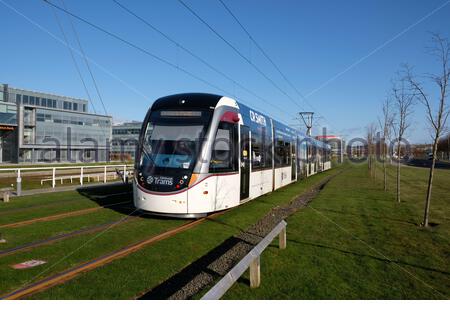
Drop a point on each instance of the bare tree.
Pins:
(404, 100)
(371, 130)
(437, 115)
(386, 124)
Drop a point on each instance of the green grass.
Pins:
(134, 274)
(356, 242)
(64, 254)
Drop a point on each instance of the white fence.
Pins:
(61, 173)
(252, 261)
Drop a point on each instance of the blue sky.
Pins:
(310, 41)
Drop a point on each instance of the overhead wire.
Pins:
(191, 53)
(73, 58)
(85, 60)
(266, 55)
(195, 14)
(141, 49)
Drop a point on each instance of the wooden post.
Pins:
(282, 239)
(104, 175)
(255, 273)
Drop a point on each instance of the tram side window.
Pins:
(267, 148)
(282, 153)
(224, 151)
(287, 154)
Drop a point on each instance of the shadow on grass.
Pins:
(381, 259)
(108, 195)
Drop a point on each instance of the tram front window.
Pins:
(170, 148)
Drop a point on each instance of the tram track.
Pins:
(62, 215)
(64, 236)
(71, 273)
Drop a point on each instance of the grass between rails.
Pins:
(139, 272)
(355, 242)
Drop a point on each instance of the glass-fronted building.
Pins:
(125, 138)
(41, 127)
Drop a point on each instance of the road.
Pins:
(427, 163)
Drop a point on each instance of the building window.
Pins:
(18, 98)
(84, 108)
(25, 99)
(65, 105)
(38, 101)
(31, 100)
(44, 102)
(75, 106)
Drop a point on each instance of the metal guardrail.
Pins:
(252, 261)
(54, 178)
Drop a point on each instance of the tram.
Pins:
(199, 153)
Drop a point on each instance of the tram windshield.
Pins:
(172, 140)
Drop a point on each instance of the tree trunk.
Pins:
(430, 185)
(398, 172)
(385, 167)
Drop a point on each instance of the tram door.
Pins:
(245, 162)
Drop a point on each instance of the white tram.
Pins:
(199, 153)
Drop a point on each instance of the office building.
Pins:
(124, 140)
(42, 127)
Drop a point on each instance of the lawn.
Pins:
(355, 242)
(139, 272)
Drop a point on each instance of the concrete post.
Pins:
(125, 177)
(255, 273)
(104, 175)
(19, 184)
(81, 175)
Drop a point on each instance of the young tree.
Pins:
(437, 115)
(371, 130)
(386, 124)
(404, 100)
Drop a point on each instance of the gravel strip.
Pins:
(210, 268)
